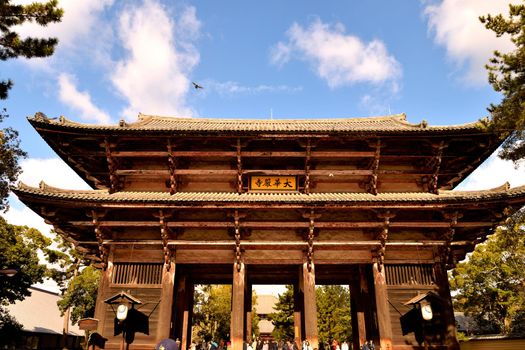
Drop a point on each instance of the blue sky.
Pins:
(289, 59)
(255, 59)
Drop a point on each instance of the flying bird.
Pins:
(197, 86)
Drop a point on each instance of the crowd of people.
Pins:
(260, 344)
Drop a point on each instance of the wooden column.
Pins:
(102, 294)
(310, 306)
(298, 314)
(248, 312)
(448, 312)
(383, 309)
(188, 315)
(183, 309)
(237, 317)
(166, 302)
(358, 305)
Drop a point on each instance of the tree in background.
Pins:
(507, 76)
(12, 46)
(10, 154)
(81, 294)
(282, 319)
(77, 279)
(19, 248)
(333, 313)
(212, 312)
(490, 286)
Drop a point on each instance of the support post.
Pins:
(310, 306)
(166, 301)
(188, 315)
(237, 316)
(248, 312)
(100, 306)
(298, 299)
(383, 309)
(358, 305)
(448, 312)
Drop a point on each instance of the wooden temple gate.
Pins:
(363, 202)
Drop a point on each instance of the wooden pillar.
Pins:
(237, 317)
(188, 315)
(310, 306)
(383, 309)
(248, 312)
(358, 305)
(183, 308)
(298, 299)
(166, 302)
(102, 294)
(448, 312)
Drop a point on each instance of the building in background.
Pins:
(42, 324)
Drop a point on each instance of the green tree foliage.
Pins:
(81, 294)
(212, 312)
(333, 313)
(283, 319)
(19, 247)
(490, 286)
(507, 76)
(10, 153)
(11, 45)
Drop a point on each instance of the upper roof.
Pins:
(384, 124)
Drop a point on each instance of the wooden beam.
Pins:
(237, 315)
(286, 224)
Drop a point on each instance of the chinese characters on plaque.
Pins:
(273, 183)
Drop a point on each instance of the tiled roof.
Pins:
(47, 192)
(387, 124)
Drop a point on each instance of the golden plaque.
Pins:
(273, 183)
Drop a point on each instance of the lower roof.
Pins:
(503, 194)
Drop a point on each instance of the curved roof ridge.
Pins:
(143, 118)
(389, 124)
(45, 190)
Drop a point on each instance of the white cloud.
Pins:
(456, 26)
(338, 58)
(492, 173)
(160, 56)
(79, 20)
(80, 101)
(235, 88)
(53, 171)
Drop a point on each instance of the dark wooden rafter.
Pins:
(114, 181)
(311, 216)
(237, 236)
(383, 236)
(307, 165)
(448, 256)
(239, 165)
(435, 165)
(99, 234)
(371, 186)
(172, 167)
(164, 235)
